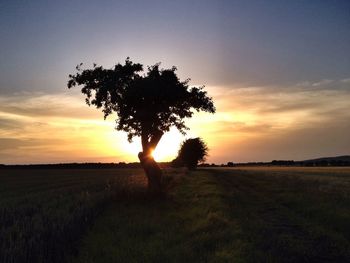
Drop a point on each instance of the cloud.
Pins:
(54, 127)
(11, 143)
(10, 124)
(298, 143)
(280, 100)
(229, 128)
(65, 104)
(252, 123)
(326, 84)
(265, 123)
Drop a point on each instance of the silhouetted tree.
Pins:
(229, 164)
(192, 151)
(146, 105)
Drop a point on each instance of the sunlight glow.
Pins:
(241, 130)
(166, 150)
(168, 146)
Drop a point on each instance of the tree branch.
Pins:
(145, 142)
(155, 139)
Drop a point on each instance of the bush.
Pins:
(192, 151)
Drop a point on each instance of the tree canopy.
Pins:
(145, 103)
(191, 152)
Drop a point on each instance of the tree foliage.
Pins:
(192, 151)
(145, 104)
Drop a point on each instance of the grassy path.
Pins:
(288, 218)
(230, 216)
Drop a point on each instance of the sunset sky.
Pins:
(278, 72)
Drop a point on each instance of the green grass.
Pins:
(231, 215)
(44, 213)
(272, 214)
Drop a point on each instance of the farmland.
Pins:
(248, 214)
(44, 212)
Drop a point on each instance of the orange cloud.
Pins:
(251, 124)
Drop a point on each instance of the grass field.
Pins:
(44, 213)
(272, 214)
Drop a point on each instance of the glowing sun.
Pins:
(166, 150)
(168, 146)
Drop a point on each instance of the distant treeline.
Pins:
(328, 161)
(76, 166)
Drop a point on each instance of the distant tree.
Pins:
(146, 105)
(230, 164)
(192, 151)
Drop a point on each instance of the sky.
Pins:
(278, 72)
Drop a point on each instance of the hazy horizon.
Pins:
(278, 72)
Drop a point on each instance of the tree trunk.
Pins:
(153, 173)
(152, 169)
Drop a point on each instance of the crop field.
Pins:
(241, 214)
(43, 213)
